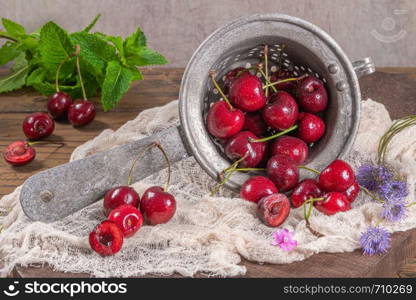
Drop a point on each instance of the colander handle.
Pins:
(56, 193)
(364, 67)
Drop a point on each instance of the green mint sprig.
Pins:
(109, 63)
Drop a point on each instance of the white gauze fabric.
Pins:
(207, 234)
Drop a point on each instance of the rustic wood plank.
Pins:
(395, 89)
(49, 156)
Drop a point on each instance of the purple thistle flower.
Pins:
(284, 239)
(375, 240)
(393, 190)
(394, 210)
(371, 177)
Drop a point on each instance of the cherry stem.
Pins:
(229, 171)
(312, 201)
(212, 75)
(310, 169)
(81, 82)
(58, 70)
(247, 169)
(243, 71)
(285, 80)
(307, 215)
(266, 68)
(411, 204)
(147, 148)
(259, 68)
(130, 176)
(165, 155)
(268, 138)
(46, 143)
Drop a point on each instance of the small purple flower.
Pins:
(365, 177)
(393, 190)
(284, 239)
(394, 210)
(375, 240)
(370, 176)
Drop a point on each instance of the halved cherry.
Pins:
(19, 153)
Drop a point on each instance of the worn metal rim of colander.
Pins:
(340, 78)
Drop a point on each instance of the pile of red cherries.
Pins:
(268, 122)
(40, 125)
(126, 212)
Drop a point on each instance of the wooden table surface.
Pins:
(395, 87)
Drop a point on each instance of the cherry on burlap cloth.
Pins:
(207, 234)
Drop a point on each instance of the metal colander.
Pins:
(49, 195)
(295, 45)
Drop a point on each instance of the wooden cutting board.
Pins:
(395, 87)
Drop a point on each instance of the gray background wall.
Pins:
(383, 29)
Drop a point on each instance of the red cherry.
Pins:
(19, 153)
(157, 206)
(338, 176)
(334, 202)
(293, 147)
(224, 122)
(282, 112)
(256, 188)
(106, 238)
(352, 192)
(233, 75)
(306, 189)
(255, 124)
(281, 75)
(119, 196)
(246, 93)
(128, 218)
(312, 95)
(38, 125)
(273, 209)
(81, 112)
(283, 171)
(311, 128)
(58, 104)
(239, 146)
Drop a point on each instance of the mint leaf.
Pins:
(145, 57)
(31, 44)
(17, 78)
(137, 75)
(136, 40)
(138, 54)
(116, 83)
(36, 76)
(54, 47)
(92, 24)
(95, 52)
(20, 62)
(15, 30)
(117, 41)
(9, 51)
